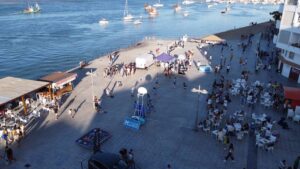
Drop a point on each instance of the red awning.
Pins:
(292, 93)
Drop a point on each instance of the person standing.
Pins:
(231, 57)
(131, 162)
(55, 110)
(174, 82)
(184, 85)
(282, 165)
(72, 113)
(132, 91)
(9, 154)
(20, 135)
(221, 60)
(228, 68)
(230, 153)
(296, 163)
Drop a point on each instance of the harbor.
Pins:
(172, 133)
(59, 38)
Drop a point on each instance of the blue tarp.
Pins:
(164, 58)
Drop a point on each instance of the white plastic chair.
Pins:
(296, 118)
(240, 135)
(290, 113)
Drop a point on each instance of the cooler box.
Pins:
(205, 68)
(134, 122)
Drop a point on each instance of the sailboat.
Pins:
(32, 9)
(158, 4)
(103, 21)
(126, 15)
(185, 12)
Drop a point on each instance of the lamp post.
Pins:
(199, 91)
(91, 73)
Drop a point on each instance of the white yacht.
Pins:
(103, 22)
(186, 13)
(187, 2)
(137, 22)
(158, 5)
(32, 9)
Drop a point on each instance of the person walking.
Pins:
(230, 153)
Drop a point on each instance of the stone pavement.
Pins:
(168, 135)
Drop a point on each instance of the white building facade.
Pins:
(288, 40)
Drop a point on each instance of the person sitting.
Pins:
(282, 164)
(245, 127)
(200, 125)
(283, 123)
(220, 135)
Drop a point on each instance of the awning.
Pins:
(213, 38)
(12, 88)
(59, 78)
(292, 93)
(165, 58)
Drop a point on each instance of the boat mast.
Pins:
(126, 8)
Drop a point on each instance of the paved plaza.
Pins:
(168, 137)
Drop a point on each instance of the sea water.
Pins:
(67, 31)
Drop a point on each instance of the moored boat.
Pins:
(103, 21)
(137, 22)
(32, 9)
(158, 5)
(187, 2)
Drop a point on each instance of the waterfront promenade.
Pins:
(168, 135)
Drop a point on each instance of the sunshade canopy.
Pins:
(292, 93)
(59, 78)
(213, 38)
(12, 88)
(165, 58)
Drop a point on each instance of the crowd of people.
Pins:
(122, 69)
(226, 124)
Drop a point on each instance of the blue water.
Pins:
(67, 31)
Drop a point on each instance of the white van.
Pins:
(144, 61)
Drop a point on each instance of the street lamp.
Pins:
(199, 91)
(91, 73)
